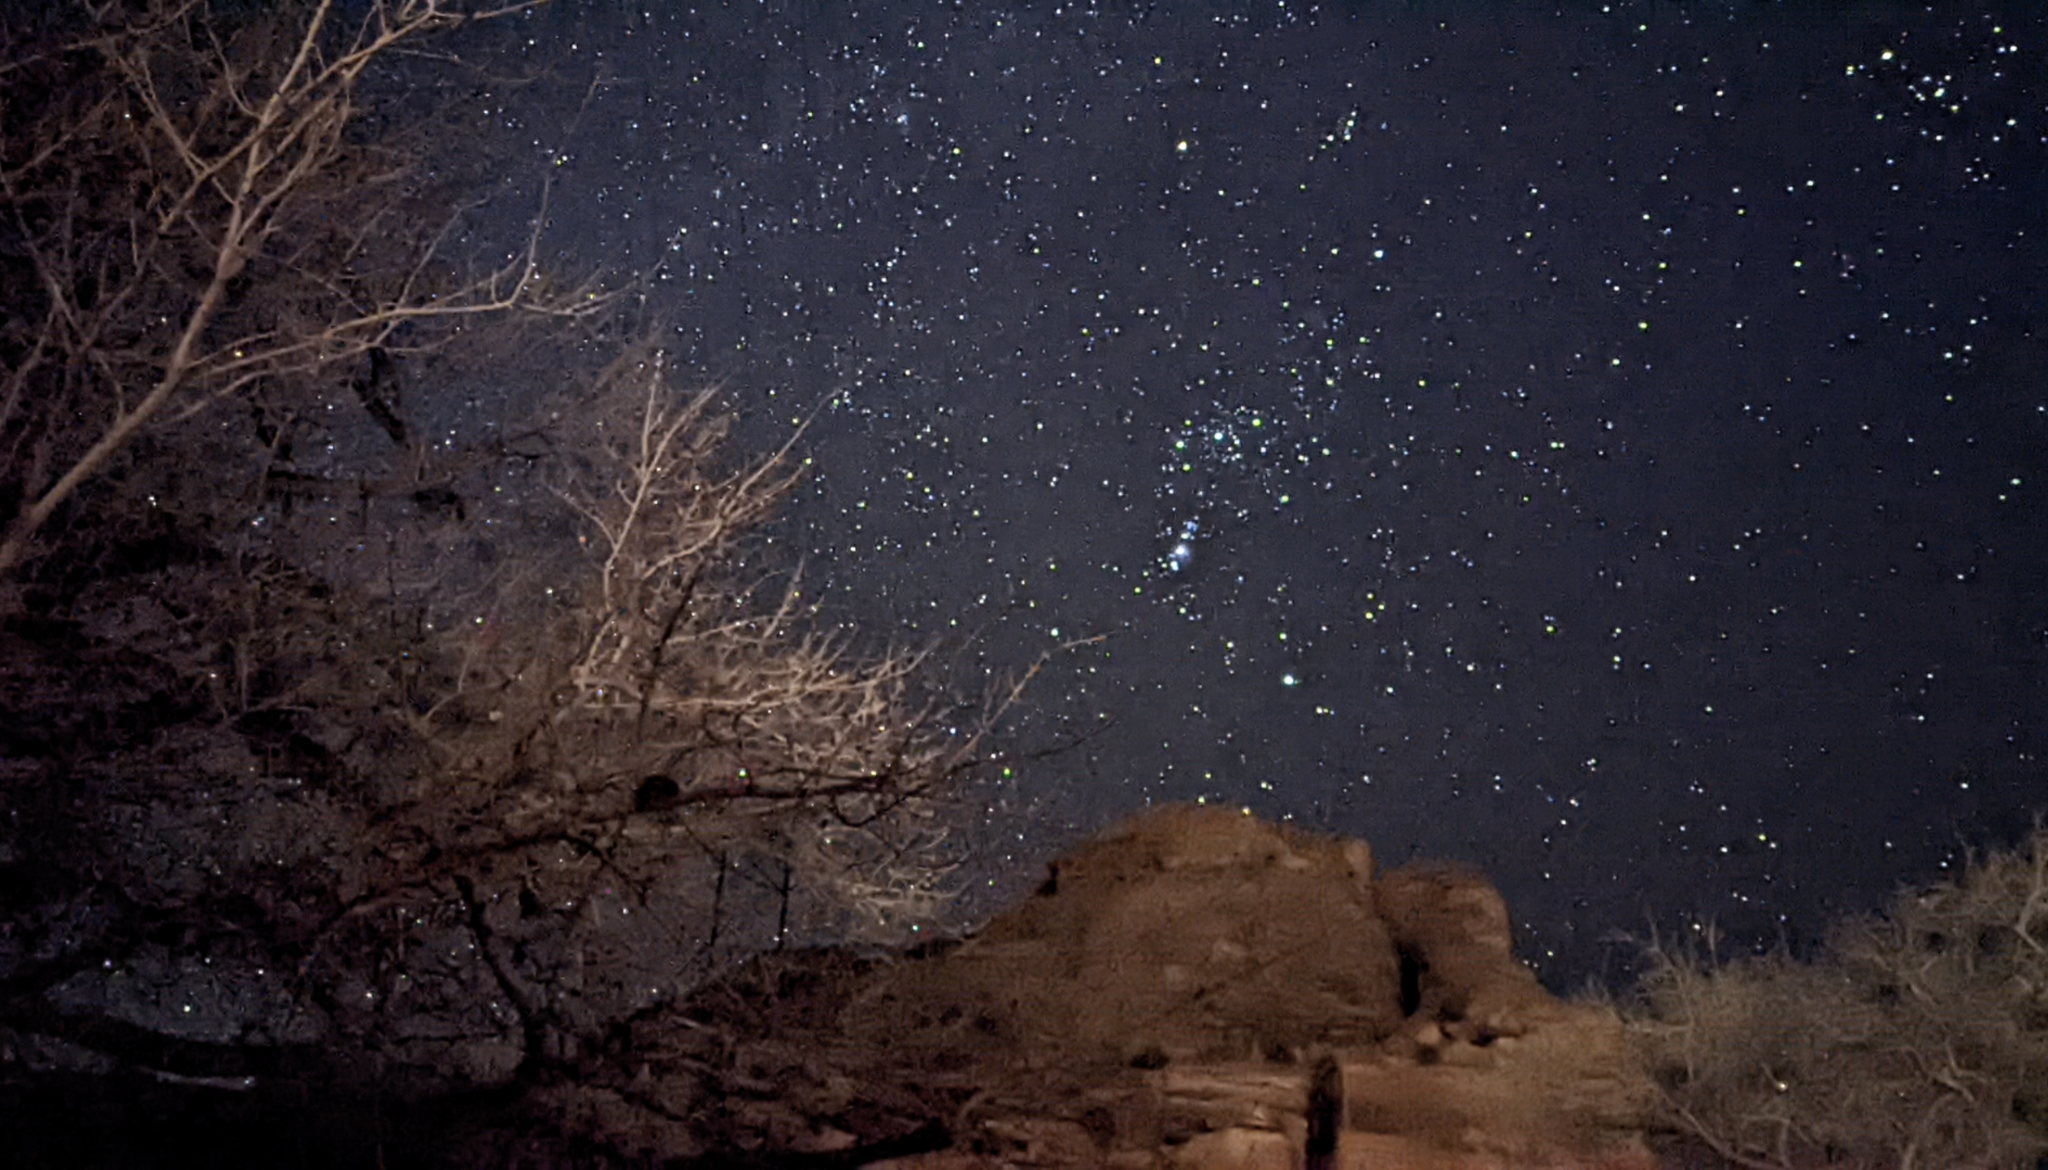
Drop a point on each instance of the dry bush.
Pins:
(191, 210)
(1916, 1039)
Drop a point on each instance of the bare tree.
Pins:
(664, 693)
(470, 823)
(190, 210)
(438, 763)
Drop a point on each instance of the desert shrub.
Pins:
(1916, 1038)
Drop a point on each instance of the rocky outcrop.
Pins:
(1189, 934)
(1196, 987)
(1193, 988)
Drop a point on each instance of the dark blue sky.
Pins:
(1608, 446)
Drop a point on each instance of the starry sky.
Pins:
(1603, 443)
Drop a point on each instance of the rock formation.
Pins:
(1196, 987)
(1193, 988)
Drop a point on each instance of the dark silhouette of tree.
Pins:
(338, 761)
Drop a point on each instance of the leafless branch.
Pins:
(197, 216)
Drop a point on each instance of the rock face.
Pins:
(1199, 988)
(1193, 988)
(1189, 934)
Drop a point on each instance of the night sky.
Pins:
(1608, 446)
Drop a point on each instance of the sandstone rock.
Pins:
(1192, 989)
(1199, 988)
(1235, 1149)
(1186, 934)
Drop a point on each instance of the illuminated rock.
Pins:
(1197, 988)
